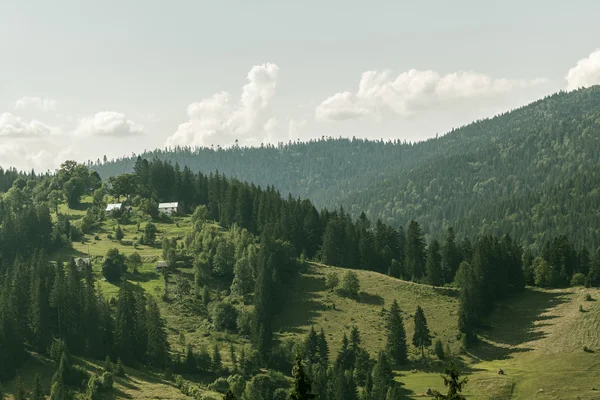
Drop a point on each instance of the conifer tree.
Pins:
(301, 388)
(454, 383)
(20, 394)
(229, 395)
(38, 392)
(415, 251)
(323, 348)
(421, 337)
(217, 365)
(233, 356)
(158, 346)
(382, 377)
(396, 336)
(311, 345)
(450, 256)
(433, 265)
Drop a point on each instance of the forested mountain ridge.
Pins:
(527, 171)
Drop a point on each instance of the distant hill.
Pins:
(532, 172)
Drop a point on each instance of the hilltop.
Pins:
(531, 172)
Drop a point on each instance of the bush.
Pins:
(119, 370)
(581, 308)
(237, 384)
(219, 385)
(108, 365)
(107, 380)
(439, 349)
(578, 279)
(224, 316)
(332, 280)
(280, 394)
(350, 284)
(588, 297)
(587, 350)
(244, 322)
(119, 234)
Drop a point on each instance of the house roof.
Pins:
(168, 205)
(85, 260)
(162, 264)
(116, 206)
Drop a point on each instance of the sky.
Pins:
(82, 79)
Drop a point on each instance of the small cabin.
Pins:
(168, 208)
(117, 206)
(82, 263)
(161, 266)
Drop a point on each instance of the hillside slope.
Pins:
(528, 171)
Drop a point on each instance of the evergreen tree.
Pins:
(301, 387)
(383, 377)
(229, 395)
(450, 256)
(421, 337)
(38, 392)
(415, 251)
(439, 349)
(454, 383)
(311, 345)
(158, 345)
(323, 348)
(434, 264)
(20, 394)
(217, 365)
(396, 336)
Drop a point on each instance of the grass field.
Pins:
(537, 337)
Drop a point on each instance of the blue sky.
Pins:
(83, 79)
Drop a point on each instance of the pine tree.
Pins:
(311, 345)
(217, 365)
(20, 394)
(433, 265)
(301, 388)
(383, 377)
(450, 257)
(393, 393)
(396, 336)
(421, 337)
(439, 349)
(323, 348)
(108, 365)
(38, 392)
(415, 251)
(454, 383)
(158, 346)
(233, 356)
(119, 369)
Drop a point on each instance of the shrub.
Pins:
(581, 308)
(332, 280)
(108, 365)
(119, 370)
(219, 385)
(224, 316)
(587, 350)
(578, 279)
(280, 394)
(119, 234)
(588, 297)
(244, 322)
(107, 380)
(237, 384)
(350, 284)
(439, 349)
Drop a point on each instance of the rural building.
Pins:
(168, 208)
(116, 206)
(82, 263)
(161, 266)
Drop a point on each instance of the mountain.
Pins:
(532, 172)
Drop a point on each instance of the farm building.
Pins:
(168, 208)
(161, 266)
(116, 206)
(82, 263)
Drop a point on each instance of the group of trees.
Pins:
(43, 301)
(531, 173)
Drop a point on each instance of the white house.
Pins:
(168, 208)
(111, 207)
(116, 206)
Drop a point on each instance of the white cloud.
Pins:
(294, 127)
(586, 73)
(108, 123)
(14, 126)
(39, 103)
(214, 120)
(411, 91)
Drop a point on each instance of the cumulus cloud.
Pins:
(586, 73)
(14, 126)
(38, 103)
(215, 120)
(411, 91)
(108, 123)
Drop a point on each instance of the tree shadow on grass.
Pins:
(373, 299)
(304, 299)
(144, 276)
(517, 320)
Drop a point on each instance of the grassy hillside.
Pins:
(536, 337)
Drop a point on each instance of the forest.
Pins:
(531, 173)
(52, 306)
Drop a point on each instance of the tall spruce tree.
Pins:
(383, 377)
(421, 337)
(454, 383)
(415, 251)
(433, 265)
(301, 387)
(396, 336)
(450, 256)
